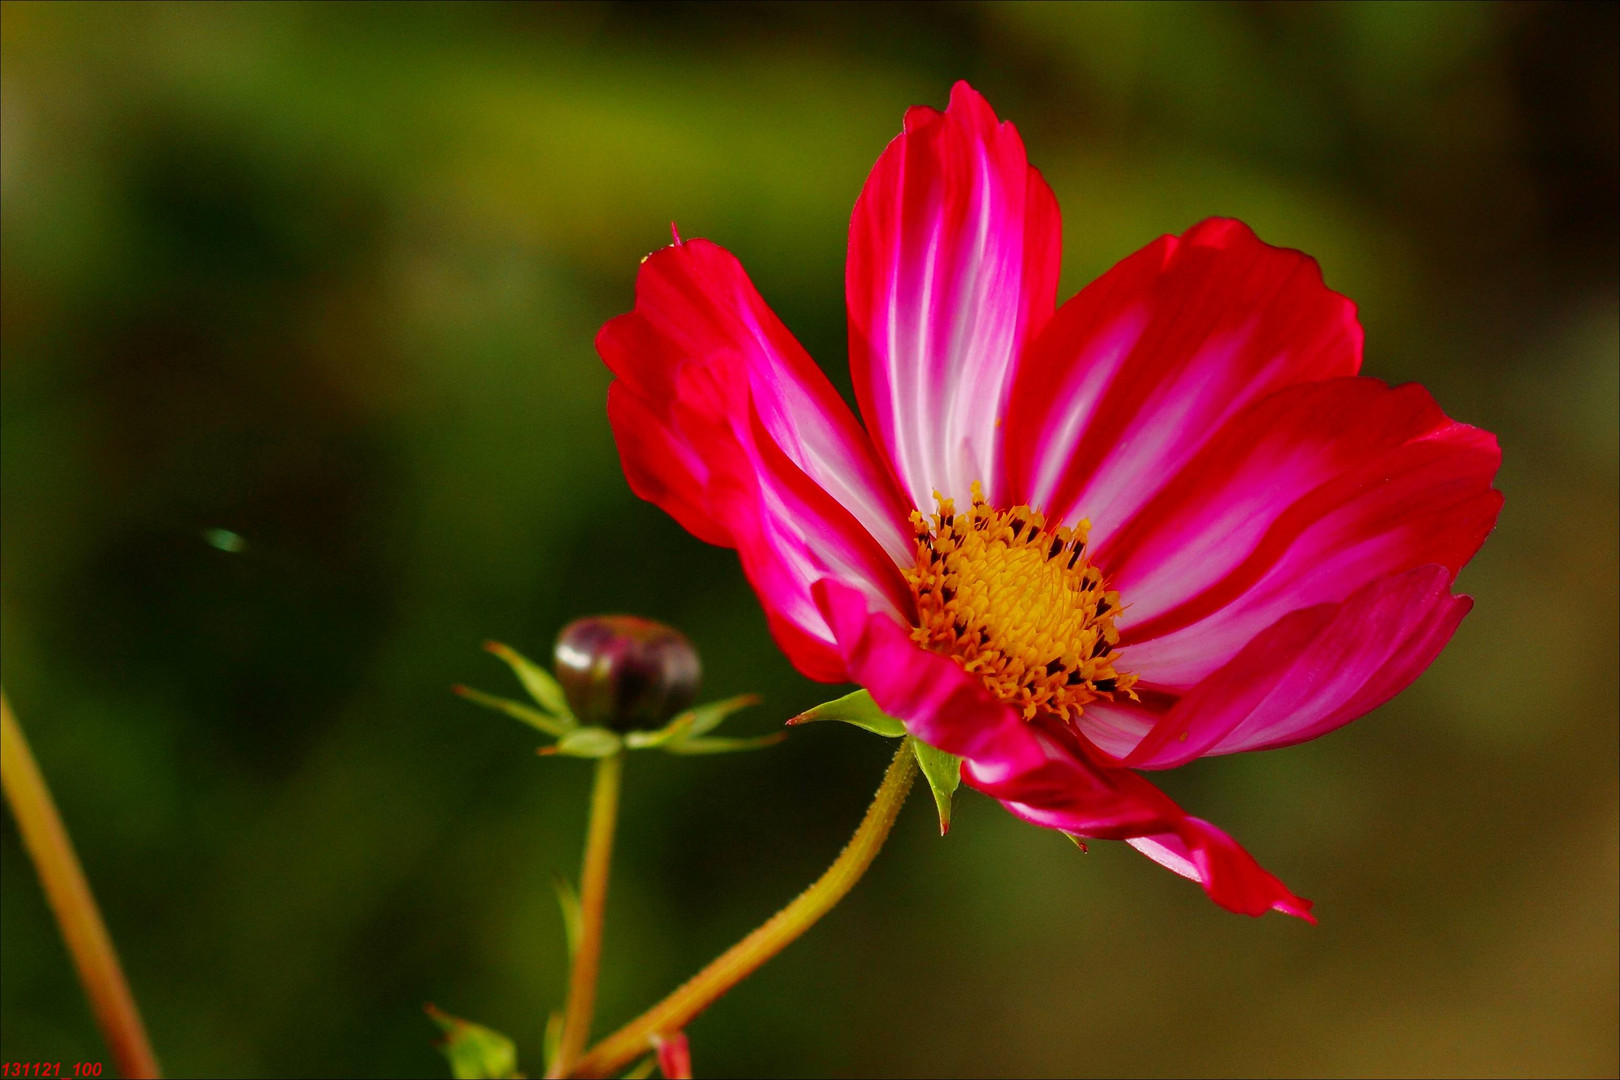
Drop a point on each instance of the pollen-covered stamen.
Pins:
(1016, 603)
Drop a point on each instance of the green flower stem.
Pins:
(69, 896)
(593, 886)
(742, 959)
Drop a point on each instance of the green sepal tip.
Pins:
(474, 1051)
(943, 772)
(858, 709)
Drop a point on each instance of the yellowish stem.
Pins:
(69, 896)
(742, 959)
(593, 887)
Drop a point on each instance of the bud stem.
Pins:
(69, 896)
(593, 886)
(742, 959)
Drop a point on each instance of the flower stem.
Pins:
(742, 959)
(68, 894)
(593, 886)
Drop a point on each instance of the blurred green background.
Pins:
(328, 277)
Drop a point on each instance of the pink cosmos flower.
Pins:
(1165, 520)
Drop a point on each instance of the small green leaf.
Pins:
(586, 742)
(568, 900)
(858, 709)
(553, 1042)
(475, 1052)
(536, 680)
(943, 772)
(516, 710)
(724, 746)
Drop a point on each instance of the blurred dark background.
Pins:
(327, 277)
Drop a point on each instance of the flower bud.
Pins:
(626, 672)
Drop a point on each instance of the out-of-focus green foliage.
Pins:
(325, 279)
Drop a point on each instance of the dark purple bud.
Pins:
(625, 672)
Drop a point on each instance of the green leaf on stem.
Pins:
(858, 709)
(537, 681)
(568, 900)
(586, 742)
(475, 1052)
(943, 772)
(724, 746)
(554, 1024)
(551, 725)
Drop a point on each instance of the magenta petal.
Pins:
(1306, 497)
(1216, 857)
(725, 422)
(1074, 793)
(1314, 670)
(1135, 373)
(953, 264)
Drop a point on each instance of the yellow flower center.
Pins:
(1016, 603)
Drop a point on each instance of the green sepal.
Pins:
(724, 746)
(858, 709)
(943, 772)
(690, 724)
(551, 725)
(537, 681)
(705, 718)
(475, 1052)
(572, 916)
(586, 742)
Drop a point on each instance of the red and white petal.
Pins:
(953, 265)
(1307, 497)
(1136, 372)
(1214, 857)
(1045, 775)
(1078, 795)
(724, 421)
(1314, 670)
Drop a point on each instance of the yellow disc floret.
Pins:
(1015, 602)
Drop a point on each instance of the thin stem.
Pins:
(68, 894)
(593, 886)
(742, 959)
